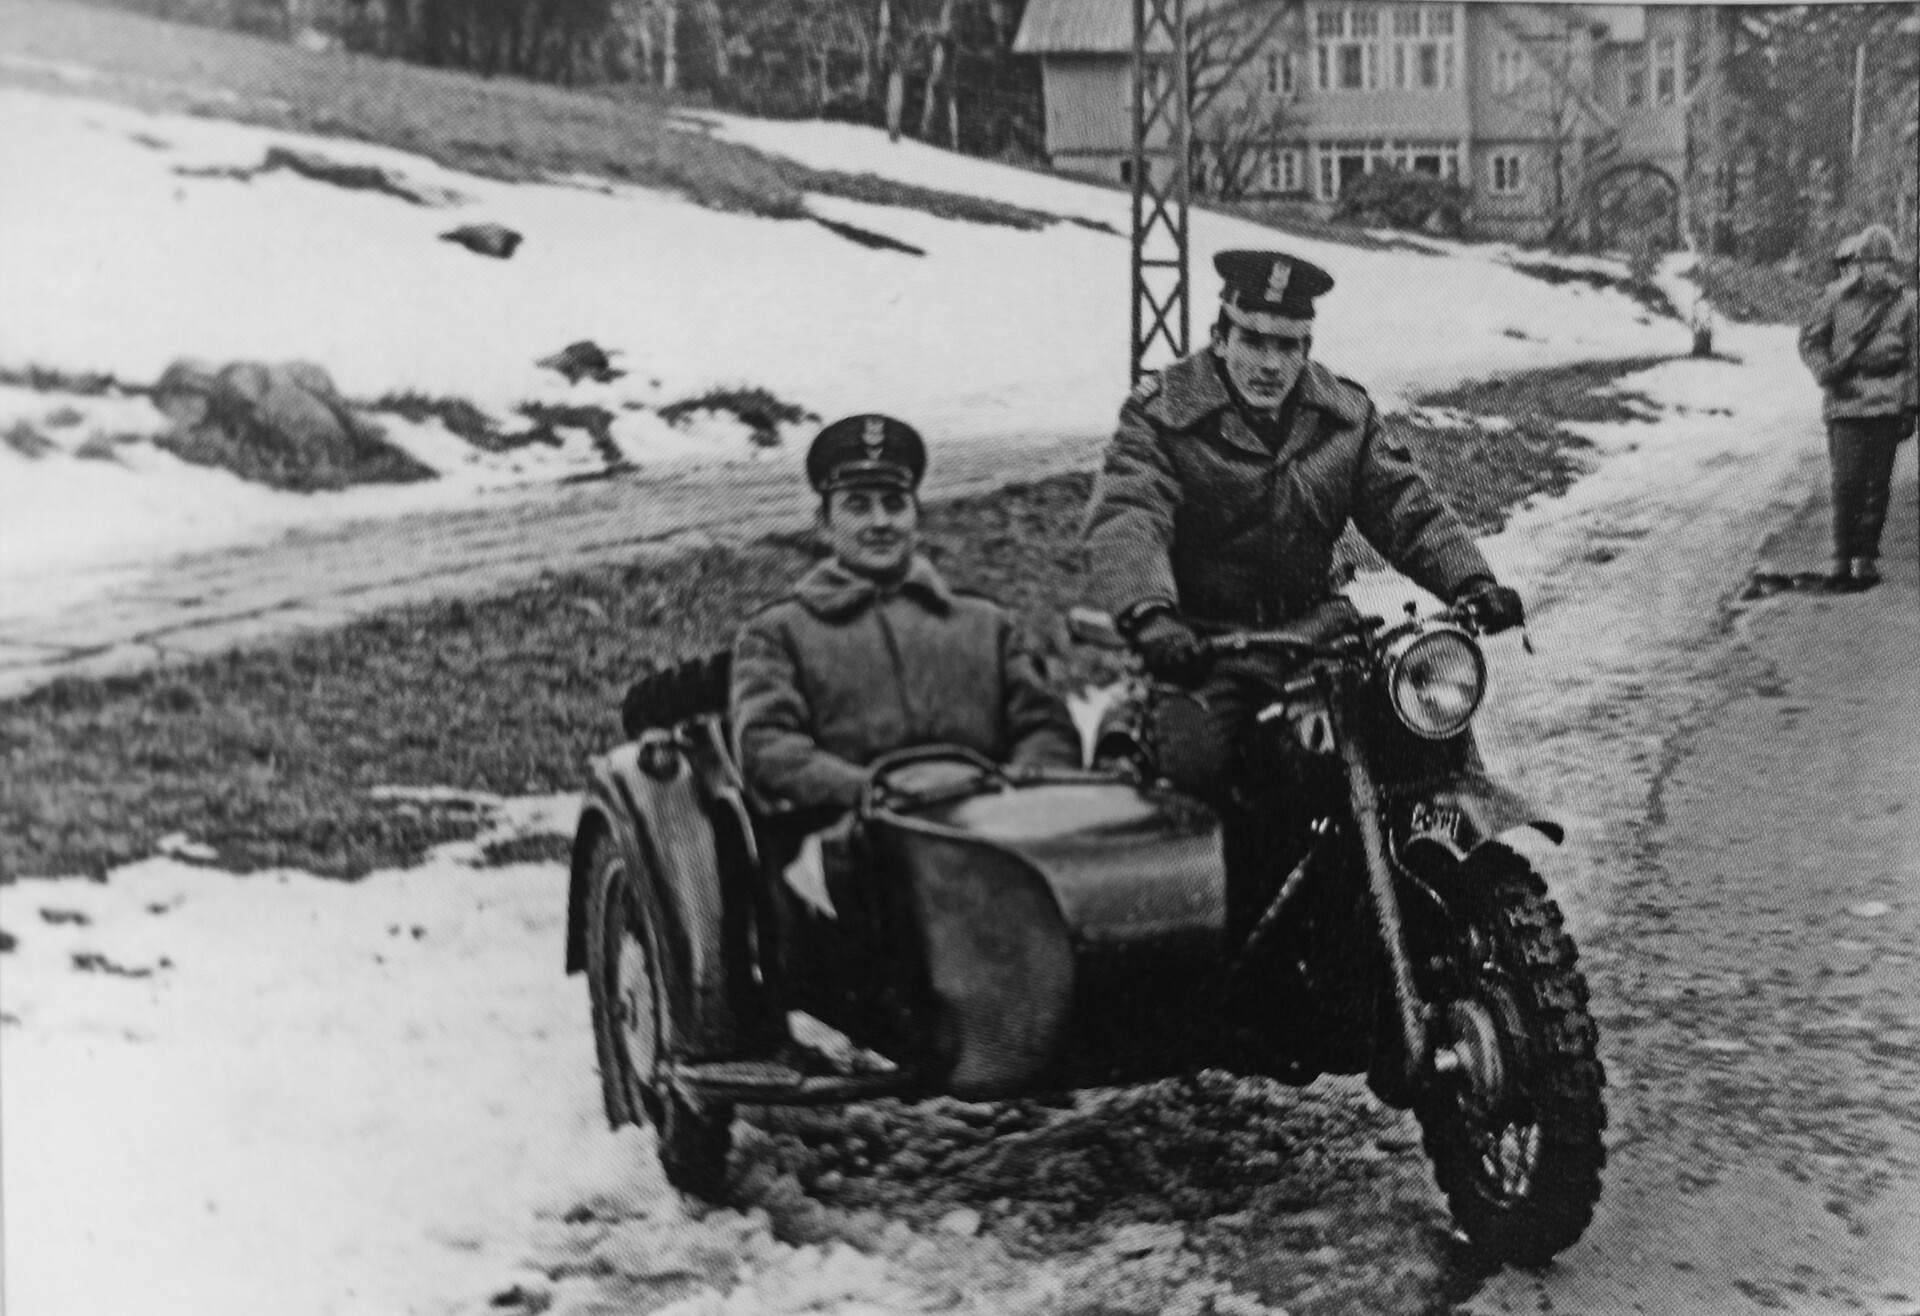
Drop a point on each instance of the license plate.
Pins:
(1437, 822)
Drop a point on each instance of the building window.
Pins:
(1506, 174)
(1279, 74)
(1346, 52)
(1283, 170)
(1126, 171)
(1633, 74)
(1440, 20)
(1666, 70)
(1406, 21)
(1352, 68)
(1509, 70)
(1339, 163)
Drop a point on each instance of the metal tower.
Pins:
(1162, 177)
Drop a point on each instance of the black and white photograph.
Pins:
(1022, 657)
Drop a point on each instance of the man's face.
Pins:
(1263, 361)
(872, 531)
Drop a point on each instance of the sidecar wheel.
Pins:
(1514, 1130)
(629, 1012)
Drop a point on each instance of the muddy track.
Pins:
(207, 602)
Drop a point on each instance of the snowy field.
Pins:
(131, 245)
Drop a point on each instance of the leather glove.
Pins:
(1170, 649)
(1492, 606)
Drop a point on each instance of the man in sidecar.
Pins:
(1224, 490)
(871, 652)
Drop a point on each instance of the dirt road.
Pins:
(210, 601)
(1756, 975)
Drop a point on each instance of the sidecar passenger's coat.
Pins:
(841, 671)
(1192, 508)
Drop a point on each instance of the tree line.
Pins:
(939, 70)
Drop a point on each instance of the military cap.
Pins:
(870, 451)
(1277, 288)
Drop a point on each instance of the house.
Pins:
(1578, 119)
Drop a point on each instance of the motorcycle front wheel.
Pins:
(1513, 1127)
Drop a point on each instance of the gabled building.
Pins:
(1559, 120)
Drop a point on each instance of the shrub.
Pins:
(1398, 198)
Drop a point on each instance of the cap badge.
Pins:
(1277, 281)
(874, 438)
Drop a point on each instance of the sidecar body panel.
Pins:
(1050, 914)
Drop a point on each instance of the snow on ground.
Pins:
(133, 245)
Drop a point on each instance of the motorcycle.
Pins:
(986, 932)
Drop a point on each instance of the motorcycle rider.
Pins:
(1860, 345)
(872, 651)
(1227, 484)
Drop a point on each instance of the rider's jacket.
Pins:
(1194, 508)
(1864, 338)
(841, 671)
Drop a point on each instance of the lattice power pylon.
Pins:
(1162, 179)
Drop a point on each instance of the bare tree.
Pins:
(1232, 139)
(1233, 142)
(1559, 102)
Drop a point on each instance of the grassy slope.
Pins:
(269, 754)
(498, 127)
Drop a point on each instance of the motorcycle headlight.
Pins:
(1435, 680)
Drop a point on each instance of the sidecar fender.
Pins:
(670, 813)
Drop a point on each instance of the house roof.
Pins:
(1075, 27)
(1091, 27)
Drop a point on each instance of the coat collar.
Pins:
(1194, 387)
(830, 591)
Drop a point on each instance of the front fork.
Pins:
(1395, 1088)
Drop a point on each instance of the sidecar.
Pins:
(986, 932)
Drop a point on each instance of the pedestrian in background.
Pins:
(1861, 345)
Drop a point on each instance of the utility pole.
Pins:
(1162, 179)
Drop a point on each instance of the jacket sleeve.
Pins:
(1816, 340)
(773, 728)
(1129, 529)
(1404, 519)
(1040, 730)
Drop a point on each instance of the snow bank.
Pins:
(135, 243)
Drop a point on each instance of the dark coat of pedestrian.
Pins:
(1861, 344)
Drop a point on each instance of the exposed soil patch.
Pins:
(867, 237)
(89, 384)
(756, 408)
(353, 177)
(1641, 289)
(460, 418)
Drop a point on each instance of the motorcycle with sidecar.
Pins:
(992, 932)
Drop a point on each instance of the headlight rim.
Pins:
(1401, 649)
